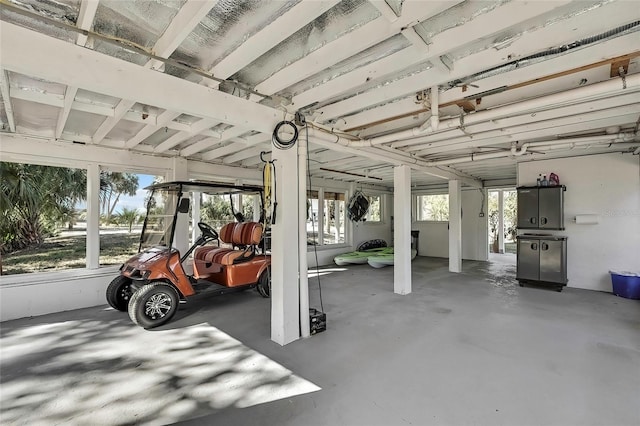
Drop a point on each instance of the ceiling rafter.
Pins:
(187, 18)
(55, 100)
(274, 33)
(196, 147)
(222, 151)
(384, 9)
(350, 44)
(528, 43)
(243, 155)
(6, 98)
(583, 123)
(195, 129)
(485, 25)
(162, 120)
(86, 16)
(511, 81)
(263, 41)
(416, 82)
(67, 63)
(501, 126)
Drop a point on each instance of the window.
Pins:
(42, 224)
(334, 218)
(432, 207)
(216, 210)
(326, 218)
(313, 215)
(123, 207)
(374, 214)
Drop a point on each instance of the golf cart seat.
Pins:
(204, 254)
(244, 235)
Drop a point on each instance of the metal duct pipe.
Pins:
(393, 156)
(587, 145)
(476, 157)
(585, 122)
(593, 90)
(542, 145)
(503, 126)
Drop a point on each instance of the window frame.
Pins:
(416, 208)
(381, 205)
(319, 221)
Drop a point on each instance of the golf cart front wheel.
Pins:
(264, 283)
(153, 305)
(119, 293)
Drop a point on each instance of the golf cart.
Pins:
(152, 283)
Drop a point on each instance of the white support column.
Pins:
(336, 221)
(455, 226)
(501, 221)
(93, 216)
(320, 218)
(181, 239)
(349, 229)
(402, 229)
(195, 216)
(285, 300)
(302, 238)
(257, 209)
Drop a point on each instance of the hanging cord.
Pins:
(283, 143)
(313, 222)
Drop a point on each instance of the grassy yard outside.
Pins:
(69, 252)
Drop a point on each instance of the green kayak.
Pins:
(360, 257)
(386, 259)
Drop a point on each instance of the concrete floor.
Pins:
(469, 348)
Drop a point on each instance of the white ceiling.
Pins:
(208, 80)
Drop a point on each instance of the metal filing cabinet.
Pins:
(542, 259)
(541, 207)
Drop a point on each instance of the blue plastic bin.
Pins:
(626, 284)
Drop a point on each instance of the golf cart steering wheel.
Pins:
(207, 231)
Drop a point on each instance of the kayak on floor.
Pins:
(374, 252)
(360, 257)
(386, 259)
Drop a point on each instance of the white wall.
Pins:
(606, 185)
(43, 293)
(360, 232)
(434, 236)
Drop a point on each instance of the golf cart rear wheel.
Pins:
(264, 283)
(153, 305)
(119, 293)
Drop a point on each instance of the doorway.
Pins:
(503, 211)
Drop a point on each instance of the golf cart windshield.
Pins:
(159, 223)
(170, 200)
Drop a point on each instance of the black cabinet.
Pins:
(542, 259)
(541, 207)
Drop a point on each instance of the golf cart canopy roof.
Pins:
(205, 187)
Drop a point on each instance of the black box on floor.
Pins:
(317, 321)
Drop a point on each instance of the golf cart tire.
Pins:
(264, 283)
(119, 293)
(153, 305)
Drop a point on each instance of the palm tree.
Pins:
(128, 217)
(113, 185)
(34, 199)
